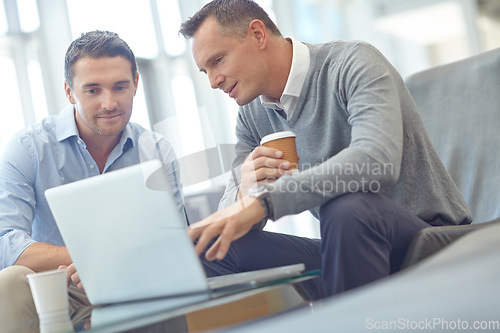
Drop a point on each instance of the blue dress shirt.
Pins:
(50, 154)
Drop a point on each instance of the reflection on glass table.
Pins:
(194, 313)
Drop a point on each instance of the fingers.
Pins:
(266, 152)
(213, 251)
(265, 158)
(72, 276)
(262, 164)
(265, 168)
(68, 275)
(209, 233)
(220, 247)
(229, 225)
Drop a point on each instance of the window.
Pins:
(131, 19)
(3, 20)
(28, 15)
(37, 90)
(170, 21)
(11, 113)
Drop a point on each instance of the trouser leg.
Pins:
(17, 308)
(364, 238)
(262, 249)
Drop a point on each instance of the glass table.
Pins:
(202, 312)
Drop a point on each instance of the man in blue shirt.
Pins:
(89, 137)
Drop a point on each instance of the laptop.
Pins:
(128, 241)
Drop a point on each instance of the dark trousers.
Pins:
(364, 237)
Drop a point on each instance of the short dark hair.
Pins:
(97, 44)
(232, 17)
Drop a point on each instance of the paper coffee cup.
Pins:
(284, 141)
(50, 294)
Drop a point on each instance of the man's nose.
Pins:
(215, 80)
(109, 101)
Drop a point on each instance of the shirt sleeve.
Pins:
(17, 201)
(153, 145)
(172, 169)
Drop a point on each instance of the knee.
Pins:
(13, 275)
(347, 213)
(13, 281)
(344, 207)
(16, 302)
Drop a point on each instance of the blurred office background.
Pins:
(176, 100)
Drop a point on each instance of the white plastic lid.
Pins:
(277, 135)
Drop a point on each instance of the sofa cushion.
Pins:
(460, 106)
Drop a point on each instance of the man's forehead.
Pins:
(208, 42)
(202, 44)
(108, 70)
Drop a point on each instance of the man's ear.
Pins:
(136, 82)
(69, 93)
(258, 32)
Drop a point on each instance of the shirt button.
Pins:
(79, 142)
(91, 166)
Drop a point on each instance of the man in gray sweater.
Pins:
(368, 170)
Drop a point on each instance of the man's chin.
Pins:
(242, 102)
(110, 131)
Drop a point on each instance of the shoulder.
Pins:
(139, 133)
(149, 141)
(38, 134)
(352, 62)
(354, 52)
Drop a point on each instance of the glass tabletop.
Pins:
(203, 311)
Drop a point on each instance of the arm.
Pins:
(253, 164)
(42, 256)
(368, 92)
(17, 211)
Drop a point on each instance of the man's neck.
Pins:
(280, 65)
(100, 148)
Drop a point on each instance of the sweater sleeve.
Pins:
(246, 143)
(368, 92)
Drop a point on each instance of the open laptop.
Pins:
(128, 241)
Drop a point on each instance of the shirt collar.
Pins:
(66, 127)
(298, 72)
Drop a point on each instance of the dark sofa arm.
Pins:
(430, 240)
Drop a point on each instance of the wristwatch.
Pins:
(261, 192)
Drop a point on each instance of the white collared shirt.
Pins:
(300, 66)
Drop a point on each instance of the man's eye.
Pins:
(218, 60)
(91, 91)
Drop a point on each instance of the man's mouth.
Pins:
(109, 115)
(230, 91)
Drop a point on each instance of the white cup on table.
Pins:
(50, 294)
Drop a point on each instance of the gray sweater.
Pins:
(357, 129)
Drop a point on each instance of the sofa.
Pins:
(460, 106)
